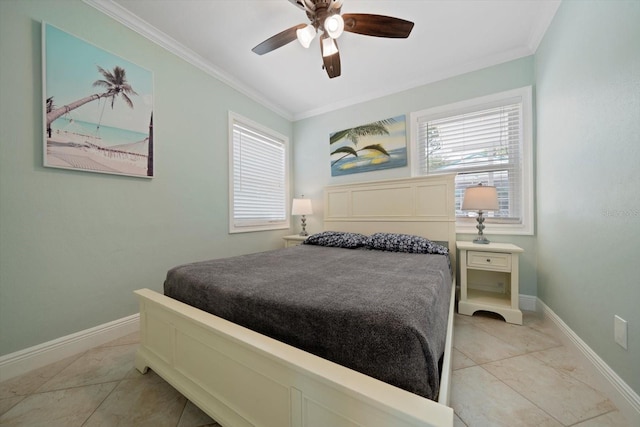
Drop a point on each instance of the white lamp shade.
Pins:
(480, 198)
(334, 26)
(301, 207)
(305, 35)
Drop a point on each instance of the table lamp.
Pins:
(302, 207)
(480, 198)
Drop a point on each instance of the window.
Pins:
(258, 177)
(486, 140)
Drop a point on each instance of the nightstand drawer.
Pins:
(489, 260)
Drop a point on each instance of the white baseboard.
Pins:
(625, 398)
(23, 361)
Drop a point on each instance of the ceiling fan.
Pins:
(329, 24)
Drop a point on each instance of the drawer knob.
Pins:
(488, 259)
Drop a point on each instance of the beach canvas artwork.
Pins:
(371, 147)
(98, 108)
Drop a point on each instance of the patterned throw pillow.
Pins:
(337, 239)
(405, 243)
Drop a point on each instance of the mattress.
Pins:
(380, 313)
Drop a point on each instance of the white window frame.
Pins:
(468, 225)
(239, 226)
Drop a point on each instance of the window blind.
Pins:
(484, 145)
(259, 177)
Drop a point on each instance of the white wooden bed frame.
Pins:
(242, 378)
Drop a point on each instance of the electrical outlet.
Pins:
(620, 331)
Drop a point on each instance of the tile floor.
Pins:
(503, 375)
(510, 375)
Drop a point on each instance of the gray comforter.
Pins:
(380, 313)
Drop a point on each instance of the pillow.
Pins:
(405, 243)
(337, 239)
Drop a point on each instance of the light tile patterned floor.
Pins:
(504, 375)
(510, 375)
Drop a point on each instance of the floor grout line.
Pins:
(555, 366)
(523, 396)
(102, 401)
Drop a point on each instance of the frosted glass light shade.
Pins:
(329, 47)
(334, 26)
(336, 4)
(305, 35)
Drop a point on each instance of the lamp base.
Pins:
(481, 240)
(304, 227)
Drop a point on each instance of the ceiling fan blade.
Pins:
(279, 40)
(377, 25)
(331, 62)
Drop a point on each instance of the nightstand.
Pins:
(489, 279)
(293, 240)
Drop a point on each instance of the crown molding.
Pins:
(148, 31)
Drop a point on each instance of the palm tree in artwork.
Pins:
(115, 85)
(50, 106)
(354, 134)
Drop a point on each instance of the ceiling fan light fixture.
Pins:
(328, 47)
(305, 35)
(328, 24)
(334, 26)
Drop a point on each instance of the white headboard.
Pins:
(423, 206)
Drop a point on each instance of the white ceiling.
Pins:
(450, 37)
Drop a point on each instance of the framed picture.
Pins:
(98, 108)
(371, 147)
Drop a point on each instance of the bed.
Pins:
(243, 378)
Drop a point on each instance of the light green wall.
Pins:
(311, 155)
(74, 245)
(588, 100)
